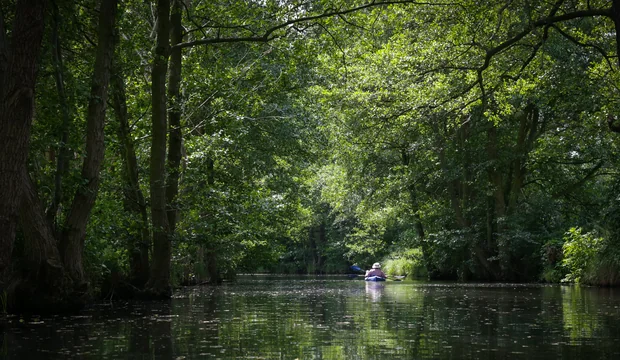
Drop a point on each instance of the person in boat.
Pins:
(375, 271)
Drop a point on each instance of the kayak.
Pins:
(375, 278)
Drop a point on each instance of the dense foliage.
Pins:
(458, 140)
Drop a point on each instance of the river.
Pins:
(274, 317)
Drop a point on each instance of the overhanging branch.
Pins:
(268, 35)
(546, 22)
(572, 187)
(540, 23)
(578, 43)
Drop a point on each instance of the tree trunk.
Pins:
(528, 132)
(495, 175)
(159, 282)
(4, 55)
(615, 14)
(415, 209)
(135, 206)
(460, 194)
(74, 230)
(175, 137)
(456, 188)
(63, 153)
(322, 243)
(498, 209)
(16, 112)
(212, 268)
(41, 284)
(453, 187)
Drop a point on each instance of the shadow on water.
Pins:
(334, 318)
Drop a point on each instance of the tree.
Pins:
(18, 65)
(51, 273)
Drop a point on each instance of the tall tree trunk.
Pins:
(495, 175)
(42, 284)
(310, 256)
(415, 210)
(454, 186)
(413, 203)
(4, 55)
(138, 245)
(159, 282)
(612, 121)
(498, 209)
(213, 269)
(63, 153)
(463, 138)
(321, 244)
(528, 132)
(175, 138)
(16, 112)
(211, 249)
(460, 195)
(615, 13)
(74, 230)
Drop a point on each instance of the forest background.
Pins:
(148, 144)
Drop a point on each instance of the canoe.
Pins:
(375, 278)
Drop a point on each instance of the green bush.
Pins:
(552, 259)
(552, 274)
(581, 253)
(407, 263)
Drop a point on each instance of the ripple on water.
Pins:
(334, 318)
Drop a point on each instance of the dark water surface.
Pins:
(334, 318)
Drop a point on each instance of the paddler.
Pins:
(375, 271)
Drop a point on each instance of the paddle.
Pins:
(393, 278)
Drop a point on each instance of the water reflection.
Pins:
(335, 319)
(374, 290)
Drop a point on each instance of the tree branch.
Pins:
(578, 43)
(546, 22)
(268, 34)
(572, 187)
(343, 18)
(344, 54)
(540, 23)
